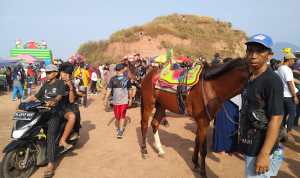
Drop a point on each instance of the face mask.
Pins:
(119, 75)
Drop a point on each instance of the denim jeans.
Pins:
(250, 168)
(85, 98)
(289, 109)
(15, 92)
(139, 71)
(297, 113)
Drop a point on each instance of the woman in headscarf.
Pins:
(17, 82)
(296, 73)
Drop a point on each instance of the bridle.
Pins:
(210, 116)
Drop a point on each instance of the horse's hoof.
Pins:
(197, 169)
(145, 156)
(203, 174)
(162, 155)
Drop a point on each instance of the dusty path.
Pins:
(100, 154)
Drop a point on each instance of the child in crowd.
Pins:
(29, 82)
(94, 83)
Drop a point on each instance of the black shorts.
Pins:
(68, 108)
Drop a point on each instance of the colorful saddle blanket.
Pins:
(171, 78)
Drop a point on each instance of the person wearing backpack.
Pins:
(296, 74)
(17, 83)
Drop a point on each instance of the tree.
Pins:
(229, 24)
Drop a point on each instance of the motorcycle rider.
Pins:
(55, 114)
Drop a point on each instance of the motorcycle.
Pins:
(29, 149)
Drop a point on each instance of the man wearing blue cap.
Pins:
(262, 108)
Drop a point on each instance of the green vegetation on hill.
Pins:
(203, 32)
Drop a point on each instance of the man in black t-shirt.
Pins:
(262, 97)
(53, 86)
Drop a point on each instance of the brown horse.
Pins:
(218, 82)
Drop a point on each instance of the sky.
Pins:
(66, 24)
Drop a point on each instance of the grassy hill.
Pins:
(194, 37)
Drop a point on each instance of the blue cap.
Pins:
(262, 39)
(281, 147)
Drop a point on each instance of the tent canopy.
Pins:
(183, 59)
(8, 62)
(27, 58)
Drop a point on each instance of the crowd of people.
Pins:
(272, 90)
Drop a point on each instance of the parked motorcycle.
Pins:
(29, 148)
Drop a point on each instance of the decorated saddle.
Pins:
(169, 78)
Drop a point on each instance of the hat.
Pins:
(289, 56)
(119, 67)
(51, 68)
(262, 39)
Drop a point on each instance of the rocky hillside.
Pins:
(192, 37)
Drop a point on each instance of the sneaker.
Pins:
(120, 134)
(118, 130)
(166, 123)
(90, 94)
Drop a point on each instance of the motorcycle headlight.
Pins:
(18, 132)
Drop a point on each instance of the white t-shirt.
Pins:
(101, 71)
(286, 75)
(94, 76)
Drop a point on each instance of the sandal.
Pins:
(291, 139)
(67, 148)
(46, 174)
(74, 138)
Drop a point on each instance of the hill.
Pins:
(193, 37)
(278, 54)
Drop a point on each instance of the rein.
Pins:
(210, 117)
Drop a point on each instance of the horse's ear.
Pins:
(206, 64)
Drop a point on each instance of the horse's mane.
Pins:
(214, 70)
(131, 68)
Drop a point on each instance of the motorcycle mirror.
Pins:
(51, 94)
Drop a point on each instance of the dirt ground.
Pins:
(99, 153)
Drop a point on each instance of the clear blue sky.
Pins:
(66, 24)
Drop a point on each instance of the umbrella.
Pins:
(161, 59)
(297, 54)
(183, 59)
(27, 58)
(131, 57)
